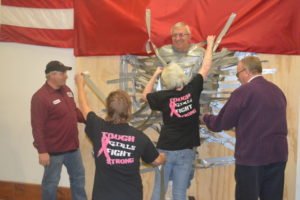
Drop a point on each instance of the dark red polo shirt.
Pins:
(54, 118)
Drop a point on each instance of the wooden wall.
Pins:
(213, 183)
(25, 191)
(287, 78)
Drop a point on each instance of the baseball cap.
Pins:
(56, 66)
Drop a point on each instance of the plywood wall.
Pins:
(287, 78)
(213, 183)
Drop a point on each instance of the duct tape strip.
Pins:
(213, 162)
(228, 137)
(224, 31)
(148, 24)
(94, 88)
(148, 49)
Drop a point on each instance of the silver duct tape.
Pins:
(214, 162)
(228, 137)
(129, 74)
(210, 137)
(229, 146)
(216, 105)
(232, 70)
(123, 70)
(269, 71)
(228, 68)
(94, 89)
(120, 80)
(224, 70)
(140, 116)
(225, 142)
(242, 55)
(229, 85)
(197, 166)
(224, 30)
(215, 92)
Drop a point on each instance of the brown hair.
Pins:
(118, 105)
(252, 63)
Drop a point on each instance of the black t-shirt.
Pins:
(180, 110)
(117, 151)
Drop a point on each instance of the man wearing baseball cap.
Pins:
(54, 118)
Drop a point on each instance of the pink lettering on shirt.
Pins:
(186, 102)
(108, 138)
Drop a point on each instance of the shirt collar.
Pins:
(51, 89)
(253, 78)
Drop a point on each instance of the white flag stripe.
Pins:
(37, 17)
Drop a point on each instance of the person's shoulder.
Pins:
(161, 93)
(196, 79)
(93, 115)
(166, 50)
(137, 133)
(166, 47)
(198, 76)
(272, 85)
(40, 93)
(246, 90)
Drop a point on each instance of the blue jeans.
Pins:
(179, 166)
(74, 165)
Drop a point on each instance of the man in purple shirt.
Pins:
(54, 118)
(257, 110)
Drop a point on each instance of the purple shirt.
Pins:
(54, 119)
(257, 110)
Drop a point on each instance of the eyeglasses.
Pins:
(238, 73)
(179, 35)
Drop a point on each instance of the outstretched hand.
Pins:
(158, 71)
(210, 40)
(79, 79)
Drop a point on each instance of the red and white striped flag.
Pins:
(116, 27)
(39, 22)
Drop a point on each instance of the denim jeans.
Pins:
(179, 166)
(74, 165)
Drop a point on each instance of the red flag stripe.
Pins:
(39, 3)
(35, 36)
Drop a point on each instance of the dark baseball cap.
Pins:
(56, 66)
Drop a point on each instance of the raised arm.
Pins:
(207, 60)
(149, 87)
(83, 103)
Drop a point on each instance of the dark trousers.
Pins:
(265, 182)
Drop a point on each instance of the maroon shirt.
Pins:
(257, 110)
(54, 118)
